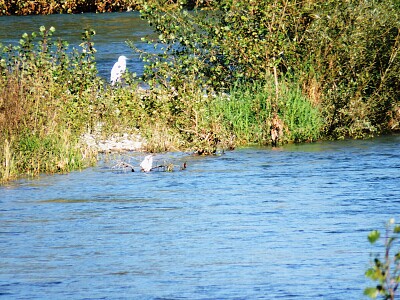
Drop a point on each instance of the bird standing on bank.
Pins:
(118, 69)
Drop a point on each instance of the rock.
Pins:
(113, 143)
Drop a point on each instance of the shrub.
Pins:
(344, 55)
(48, 95)
(386, 270)
(233, 41)
(353, 53)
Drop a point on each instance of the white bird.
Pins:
(147, 163)
(118, 69)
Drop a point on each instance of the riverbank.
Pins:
(46, 7)
(69, 6)
(199, 99)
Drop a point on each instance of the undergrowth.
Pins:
(237, 73)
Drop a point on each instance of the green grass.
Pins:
(248, 113)
(302, 119)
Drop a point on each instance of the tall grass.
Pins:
(44, 106)
(245, 112)
(248, 114)
(54, 153)
(34, 137)
(303, 119)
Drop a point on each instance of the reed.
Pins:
(7, 168)
(245, 113)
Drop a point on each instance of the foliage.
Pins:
(187, 118)
(178, 119)
(22, 7)
(385, 271)
(354, 57)
(232, 43)
(44, 105)
(344, 55)
(40, 68)
(235, 41)
(226, 74)
(51, 95)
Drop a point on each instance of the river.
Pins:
(254, 223)
(112, 31)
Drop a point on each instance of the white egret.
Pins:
(147, 163)
(118, 69)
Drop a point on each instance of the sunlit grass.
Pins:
(248, 113)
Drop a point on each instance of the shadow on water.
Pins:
(254, 223)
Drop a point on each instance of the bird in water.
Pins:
(147, 163)
(118, 69)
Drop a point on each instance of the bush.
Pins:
(344, 55)
(48, 95)
(233, 41)
(353, 54)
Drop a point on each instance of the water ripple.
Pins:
(251, 224)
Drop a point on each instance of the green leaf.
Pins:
(370, 272)
(371, 292)
(373, 236)
(396, 229)
(374, 274)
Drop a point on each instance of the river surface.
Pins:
(254, 223)
(112, 32)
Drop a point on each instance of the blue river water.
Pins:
(112, 32)
(254, 223)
